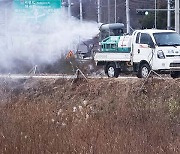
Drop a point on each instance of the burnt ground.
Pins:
(101, 116)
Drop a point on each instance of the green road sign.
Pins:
(36, 9)
(41, 4)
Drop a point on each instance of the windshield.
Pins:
(167, 39)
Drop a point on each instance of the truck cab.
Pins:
(158, 50)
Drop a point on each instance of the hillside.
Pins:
(99, 116)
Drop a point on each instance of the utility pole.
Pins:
(109, 11)
(168, 15)
(80, 7)
(155, 14)
(115, 11)
(127, 16)
(99, 10)
(177, 16)
(69, 8)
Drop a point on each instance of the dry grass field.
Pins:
(101, 116)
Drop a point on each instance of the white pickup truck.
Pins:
(141, 52)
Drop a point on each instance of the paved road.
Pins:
(61, 76)
(25, 76)
(49, 76)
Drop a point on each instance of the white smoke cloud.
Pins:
(39, 42)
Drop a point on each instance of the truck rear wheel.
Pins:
(175, 74)
(144, 70)
(112, 71)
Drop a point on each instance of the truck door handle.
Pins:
(138, 50)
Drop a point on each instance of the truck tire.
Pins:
(175, 74)
(112, 71)
(143, 71)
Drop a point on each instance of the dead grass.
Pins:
(101, 116)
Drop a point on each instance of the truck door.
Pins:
(142, 49)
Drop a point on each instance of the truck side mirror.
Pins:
(151, 45)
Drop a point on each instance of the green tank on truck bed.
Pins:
(112, 44)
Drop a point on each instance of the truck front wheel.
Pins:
(144, 70)
(111, 70)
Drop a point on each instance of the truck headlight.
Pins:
(160, 54)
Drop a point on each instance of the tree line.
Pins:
(137, 20)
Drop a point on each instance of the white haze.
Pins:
(42, 43)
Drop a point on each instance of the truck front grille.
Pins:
(172, 55)
(174, 64)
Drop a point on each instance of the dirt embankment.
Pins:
(106, 116)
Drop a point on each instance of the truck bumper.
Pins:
(167, 65)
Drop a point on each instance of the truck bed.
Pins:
(104, 56)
